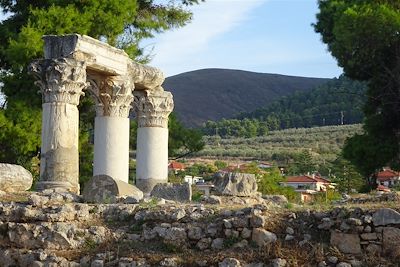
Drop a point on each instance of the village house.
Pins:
(175, 167)
(308, 185)
(387, 178)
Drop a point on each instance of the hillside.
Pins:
(339, 101)
(323, 105)
(282, 146)
(213, 94)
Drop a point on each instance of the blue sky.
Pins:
(270, 36)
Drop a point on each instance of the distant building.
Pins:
(265, 165)
(193, 179)
(175, 166)
(388, 177)
(308, 185)
(235, 168)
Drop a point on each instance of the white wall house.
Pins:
(388, 178)
(193, 179)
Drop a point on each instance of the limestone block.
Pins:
(346, 243)
(277, 199)
(103, 188)
(14, 178)
(194, 232)
(204, 243)
(175, 192)
(235, 184)
(369, 236)
(229, 262)
(263, 237)
(217, 243)
(385, 216)
(278, 262)
(216, 200)
(169, 262)
(391, 240)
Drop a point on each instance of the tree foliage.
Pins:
(181, 140)
(269, 183)
(121, 23)
(346, 177)
(364, 38)
(304, 163)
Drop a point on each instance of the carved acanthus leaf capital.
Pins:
(60, 80)
(115, 98)
(152, 108)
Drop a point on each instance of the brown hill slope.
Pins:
(213, 94)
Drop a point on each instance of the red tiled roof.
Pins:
(233, 168)
(176, 166)
(306, 179)
(387, 175)
(382, 188)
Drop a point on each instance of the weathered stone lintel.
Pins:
(102, 58)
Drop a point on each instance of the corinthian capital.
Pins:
(153, 107)
(60, 80)
(115, 98)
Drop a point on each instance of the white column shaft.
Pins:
(152, 153)
(59, 151)
(111, 147)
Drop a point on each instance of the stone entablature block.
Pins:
(102, 58)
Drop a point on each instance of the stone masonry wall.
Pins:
(56, 229)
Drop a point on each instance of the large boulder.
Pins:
(385, 216)
(105, 189)
(235, 184)
(14, 178)
(175, 192)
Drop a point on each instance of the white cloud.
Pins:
(211, 19)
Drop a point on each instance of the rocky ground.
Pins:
(58, 229)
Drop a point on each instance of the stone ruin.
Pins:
(76, 64)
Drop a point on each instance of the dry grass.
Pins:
(19, 197)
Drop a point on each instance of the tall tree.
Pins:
(347, 178)
(182, 141)
(121, 23)
(364, 38)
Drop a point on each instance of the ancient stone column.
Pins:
(152, 110)
(61, 82)
(111, 132)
